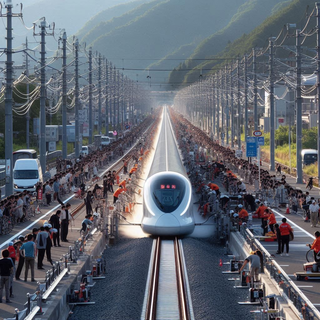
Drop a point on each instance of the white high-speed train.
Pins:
(167, 193)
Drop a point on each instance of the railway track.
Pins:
(167, 291)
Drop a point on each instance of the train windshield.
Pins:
(168, 193)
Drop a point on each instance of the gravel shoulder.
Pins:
(120, 295)
(213, 296)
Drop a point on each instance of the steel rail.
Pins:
(151, 310)
(180, 274)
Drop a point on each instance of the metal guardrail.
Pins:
(290, 291)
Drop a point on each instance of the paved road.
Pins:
(303, 233)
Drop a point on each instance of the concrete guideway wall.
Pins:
(56, 306)
(240, 248)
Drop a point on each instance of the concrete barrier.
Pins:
(56, 306)
(240, 248)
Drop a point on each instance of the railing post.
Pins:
(28, 303)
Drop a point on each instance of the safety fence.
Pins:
(289, 290)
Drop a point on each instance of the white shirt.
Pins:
(314, 208)
(63, 215)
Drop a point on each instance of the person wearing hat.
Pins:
(314, 209)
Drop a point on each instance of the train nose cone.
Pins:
(168, 224)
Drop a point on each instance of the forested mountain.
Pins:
(67, 14)
(250, 15)
(159, 28)
(108, 19)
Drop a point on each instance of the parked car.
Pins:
(26, 174)
(85, 151)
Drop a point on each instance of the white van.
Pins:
(84, 151)
(106, 140)
(26, 174)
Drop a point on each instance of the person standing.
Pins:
(285, 230)
(272, 219)
(48, 191)
(65, 219)
(21, 258)
(29, 251)
(89, 201)
(6, 269)
(49, 243)
(314, 210)
(105, 187)
(278, 233)
(260, 213)
(41, 246)
(55, 222)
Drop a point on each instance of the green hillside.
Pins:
(249, 16)
(111, 18)
(161, 30)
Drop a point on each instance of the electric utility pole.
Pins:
(8, 98)
(271, 100)
(107, 90)
(299, 108)
(43, 33)
(77, 100)
(90, 98)
(64, 96)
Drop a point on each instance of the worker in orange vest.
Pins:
(133, 170)
(117, 193)
(315, 246)
(285, 230)
(243, 213)
(260, 212)
(214, 187)
(123, 183)
(272, 219)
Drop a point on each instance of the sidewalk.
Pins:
(21, 288)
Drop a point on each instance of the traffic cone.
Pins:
(288, 209)
(38, 210)
(220, 263)
(127, 209)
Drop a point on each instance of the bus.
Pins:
(309, 156)
(24, 154)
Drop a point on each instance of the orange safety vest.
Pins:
(123, 183)
(243, 214)
(118, 192)
(316, 245)
(260, 211)
(272, 218)
(285, 229)
(213, 186)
